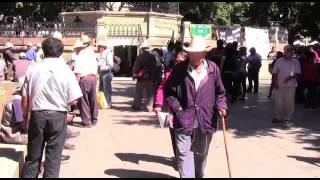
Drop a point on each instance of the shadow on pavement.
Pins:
(125, 173)
(135, 158)
(311, 160)
(252, 118)
(11, 153)
(148, 122)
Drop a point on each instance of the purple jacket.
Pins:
(180, 93)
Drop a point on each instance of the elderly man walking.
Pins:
(48, 90)
(195, 96)
(86, 70)
(284, 76)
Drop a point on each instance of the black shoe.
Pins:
(87, 125)
(135, 108)
(65, 157)
(73, 135)
(286, 122)
(69, 146)
(276, 121)
(94, 123)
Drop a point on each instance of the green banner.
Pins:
(203, 30)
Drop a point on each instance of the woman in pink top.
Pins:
(159, 98)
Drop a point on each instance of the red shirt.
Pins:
(309, 71)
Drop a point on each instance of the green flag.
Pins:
(203, 30)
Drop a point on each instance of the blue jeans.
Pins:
(105, 85)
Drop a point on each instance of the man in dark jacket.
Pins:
(195, 96)
(145, 71)
(9, 58)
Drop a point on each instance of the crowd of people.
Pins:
(52, 90)
(193, 84)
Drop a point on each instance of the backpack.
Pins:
(116, 64)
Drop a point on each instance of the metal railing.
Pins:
(46, 29)
(161, 7)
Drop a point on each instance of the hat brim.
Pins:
(102, 45)
(190, 49)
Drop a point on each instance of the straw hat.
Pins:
(197, 44)
(8, 45)
(145, 44)
(39, 45)
(22, 55)
(85, 39)
(29, 44)
(103, 43)
(57, 35)
(78, 44)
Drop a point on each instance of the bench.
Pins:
(11, 160)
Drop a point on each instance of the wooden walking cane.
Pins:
(226, 145)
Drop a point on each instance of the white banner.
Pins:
(259, 39)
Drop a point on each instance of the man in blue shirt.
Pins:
(31, 53)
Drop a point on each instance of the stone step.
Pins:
(11, 160)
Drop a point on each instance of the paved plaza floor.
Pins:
(127, 143)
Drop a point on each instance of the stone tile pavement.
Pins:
(131, 144)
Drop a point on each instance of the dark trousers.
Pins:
(253, 76)
(243, 83)
(173, 141)
(88, 102)
(240, 79)
(9, 74)
(45, 127)
(227, 79)
(310, 100)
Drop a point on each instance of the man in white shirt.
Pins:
(105, 74)
(48, 90)
(86, 70)
(284, 76)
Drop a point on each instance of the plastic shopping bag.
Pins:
(165, 119)
(102, 103)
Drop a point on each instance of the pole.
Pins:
(226, 145)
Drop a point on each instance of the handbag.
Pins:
(102, 103)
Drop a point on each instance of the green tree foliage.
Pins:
(298, 17)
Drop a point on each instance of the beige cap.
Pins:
(145, 44)
(8, 45)
(85, 39)
(57, 35)
(102, 43)
(78, 44)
